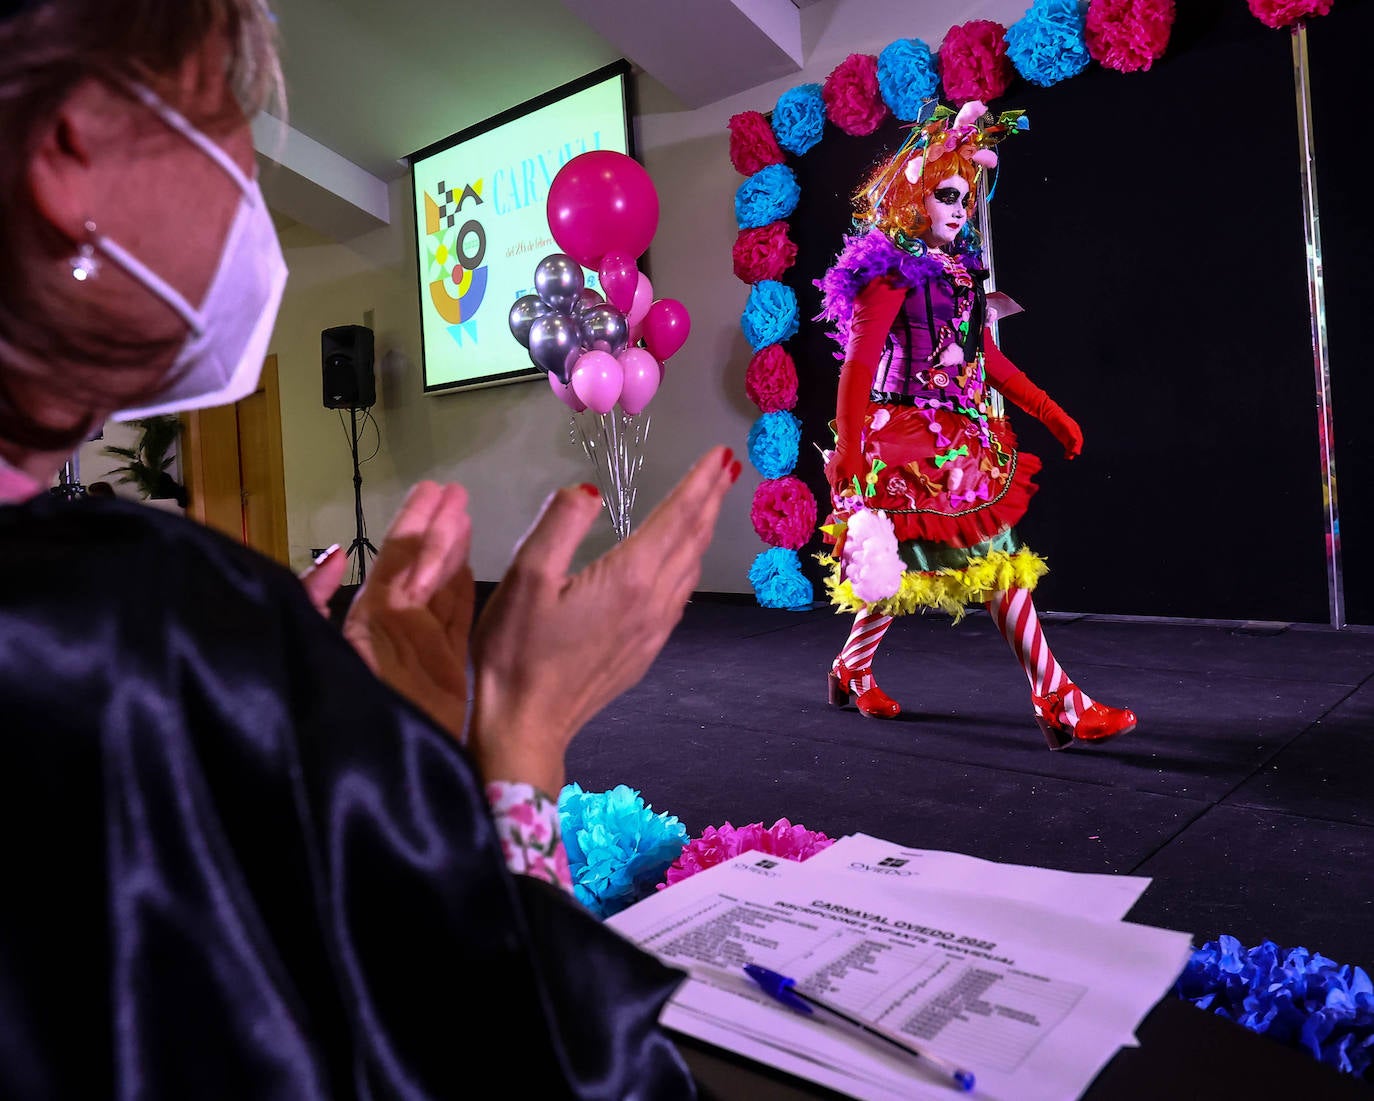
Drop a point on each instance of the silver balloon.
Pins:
(557, 280)
(523, 314)
(604, 329)
(585, 300)
(555, 344)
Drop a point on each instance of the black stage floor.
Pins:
(1245, 792)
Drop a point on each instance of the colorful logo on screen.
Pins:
(455, 246)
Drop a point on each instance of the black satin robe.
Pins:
(235, 865)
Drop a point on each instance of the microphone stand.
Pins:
(360, 545)
(69, 487)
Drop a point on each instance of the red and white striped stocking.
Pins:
(1013, 611)
(862, 644)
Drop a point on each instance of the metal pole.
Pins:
(995, 404)
(1316, 299)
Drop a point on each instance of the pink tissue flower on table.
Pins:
(718, 844)
(752, 143)
(763, 253)
(771, 380)
(853, 101)
(1128, 35)
(1284, 13)
(974, 62)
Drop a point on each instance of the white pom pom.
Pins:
(871, 563)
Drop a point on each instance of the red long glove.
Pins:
(1016, 387)
(875, 309)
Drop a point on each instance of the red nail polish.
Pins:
(725, 459)
(734, 471)
(590, 490)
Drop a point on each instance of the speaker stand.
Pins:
(360, 545)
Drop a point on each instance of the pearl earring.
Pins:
(85, 264)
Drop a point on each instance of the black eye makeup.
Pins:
(949, 196)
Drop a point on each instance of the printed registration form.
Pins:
(1033, 1001)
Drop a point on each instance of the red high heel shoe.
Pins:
(871, 700)
(1098, 723)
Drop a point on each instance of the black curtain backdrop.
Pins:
(1151, 224)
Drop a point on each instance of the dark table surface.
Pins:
(1184, 1053)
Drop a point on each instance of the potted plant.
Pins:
(147, 461)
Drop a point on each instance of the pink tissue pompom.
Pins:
(872, 565)
(771, 380)
(752, 144)
(718, 844)
(783, 512)
(1284, 13)
(764, 253)
(853, 101)
(1128, 35)
(974, 62)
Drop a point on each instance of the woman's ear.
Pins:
(60, 175)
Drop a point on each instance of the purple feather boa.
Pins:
(865, 257)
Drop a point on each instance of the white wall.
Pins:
(509, 445)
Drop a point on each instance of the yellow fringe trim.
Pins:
(947, 590)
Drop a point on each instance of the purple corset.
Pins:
(907, 366)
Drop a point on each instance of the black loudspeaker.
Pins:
(346, 362)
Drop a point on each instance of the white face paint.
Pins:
(946, 207)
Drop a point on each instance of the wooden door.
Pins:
(235, 472)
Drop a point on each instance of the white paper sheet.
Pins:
(1032, 1001)
(1083, 894)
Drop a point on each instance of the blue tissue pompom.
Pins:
(768, 196)
(771, 315)
(774, 443)
(1048, 44)
(907, 77)
(799, 118)
(778, 581)
(618, 848)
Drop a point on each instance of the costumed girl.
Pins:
(926, 483)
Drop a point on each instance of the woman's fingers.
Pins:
(322, 579)
(547, 549)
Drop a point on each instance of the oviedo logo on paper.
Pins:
(455, 248)
(888, 865)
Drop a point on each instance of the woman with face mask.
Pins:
(926, 484)
(245, 856)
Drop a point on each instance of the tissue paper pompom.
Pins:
(1297, 997)
(752, 144)
(783, 512)
(799, 118)
(618, 848)
(1284, 13)
(771, 380)
(974, 63)
(774, 443)
(778, 581)
(771, 314)
(764, 252)
(718, 844)
(907, 77)
(769, 195)
(1128, 35)
(1046, 44)
(852, 100)
(872, 565)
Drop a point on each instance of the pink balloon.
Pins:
(565, 394)
(619, 279)
(636, 334)
(666, 326)
(642, 376)
(644, 298)
(602, 202)
(597, 380)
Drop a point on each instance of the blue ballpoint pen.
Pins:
(784, 990)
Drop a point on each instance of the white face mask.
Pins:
(221, 361)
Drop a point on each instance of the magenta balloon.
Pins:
(666, 326)
(565, 394)
(597, 380)
(644, 298)
(642, 376)
(602, 202)
(619, 279)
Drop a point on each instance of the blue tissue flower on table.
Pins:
(778, 580)
(769, 195)
(618, 848)
(774, 443)
(1048, 44)
(907, 77)
(1296, 997)
(799, 118)
(771, 315)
